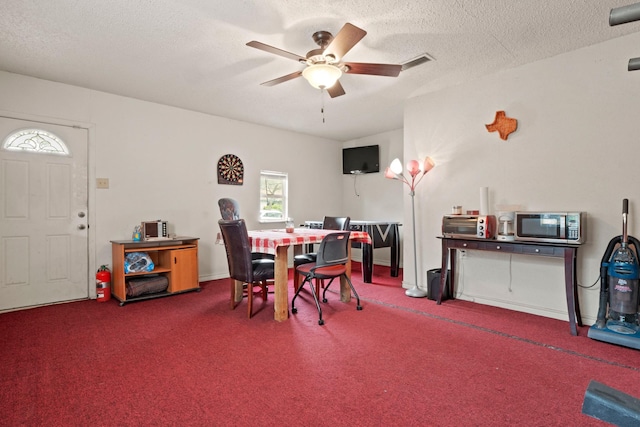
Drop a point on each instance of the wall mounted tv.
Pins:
(358, 160)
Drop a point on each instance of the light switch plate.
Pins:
(102, 182)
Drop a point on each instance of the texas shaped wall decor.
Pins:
(503, 125)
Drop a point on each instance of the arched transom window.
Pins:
(37, 141)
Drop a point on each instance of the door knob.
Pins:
(81, 214)
(81, 227)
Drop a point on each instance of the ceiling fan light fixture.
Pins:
(322, 76)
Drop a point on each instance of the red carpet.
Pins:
(189, 360)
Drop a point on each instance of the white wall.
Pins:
(371, 197)
(576, 148)
(161, 164)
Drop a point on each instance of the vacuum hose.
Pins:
(601, 320)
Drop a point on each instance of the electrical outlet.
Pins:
(102, 183)
(463, 253)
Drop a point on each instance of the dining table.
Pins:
(278, 242)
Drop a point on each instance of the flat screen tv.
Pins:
(358, 160)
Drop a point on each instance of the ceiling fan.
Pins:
(324, 65)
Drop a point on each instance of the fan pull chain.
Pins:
(322, 102)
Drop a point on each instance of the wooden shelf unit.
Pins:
(176, 259)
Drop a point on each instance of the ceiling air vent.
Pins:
(422, 59)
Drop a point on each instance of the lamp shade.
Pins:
(428, 164)
(322, 76)
(388, 173)
(396, 166)
(413, 167)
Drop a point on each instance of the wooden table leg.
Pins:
(281, 293)
(345, 290)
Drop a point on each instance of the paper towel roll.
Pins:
(484, 200)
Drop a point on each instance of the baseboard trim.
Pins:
(517, 306)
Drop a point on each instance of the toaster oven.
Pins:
(469, 226)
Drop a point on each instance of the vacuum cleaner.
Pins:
(617, 320)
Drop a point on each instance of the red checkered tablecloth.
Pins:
(269, 240)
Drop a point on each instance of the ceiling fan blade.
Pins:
(391, 70)
(336, 90)
(282, 79)
(346, 38)
(276, 51)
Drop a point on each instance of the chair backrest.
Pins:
(334, 249)
(229, 208)
(236, 242)
(336, 223)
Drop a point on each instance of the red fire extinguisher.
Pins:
(103, 284)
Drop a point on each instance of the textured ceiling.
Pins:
(192, 54)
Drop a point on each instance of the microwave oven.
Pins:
(551, 227)
(154, 230)
(469, 226)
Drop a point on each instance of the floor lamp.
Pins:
(417, 171)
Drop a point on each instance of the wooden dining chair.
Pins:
(242, 267)
(328, 223)
(331, 262)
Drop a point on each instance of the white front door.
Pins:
(43, 218)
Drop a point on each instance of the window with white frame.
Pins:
(273, 196)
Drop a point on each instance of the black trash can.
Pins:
(433, 285)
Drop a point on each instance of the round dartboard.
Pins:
(230, 170)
